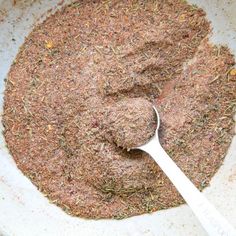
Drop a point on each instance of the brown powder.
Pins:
(90, 56)
(130, 122)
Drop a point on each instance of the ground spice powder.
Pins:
(91, 55)
(129, 123)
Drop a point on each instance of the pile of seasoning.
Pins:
(129, 123)
(85, 60)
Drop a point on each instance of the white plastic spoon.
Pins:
(212, 221)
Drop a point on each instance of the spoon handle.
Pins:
(212, 221)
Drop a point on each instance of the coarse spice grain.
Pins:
(129, 123)
(88, 57)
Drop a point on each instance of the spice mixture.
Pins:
(130, 123)
(79, 65)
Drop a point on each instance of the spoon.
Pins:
(212, 221)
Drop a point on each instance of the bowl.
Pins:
(25, 211)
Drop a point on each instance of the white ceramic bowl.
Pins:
(25, 211)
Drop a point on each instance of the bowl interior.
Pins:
(25, 210)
